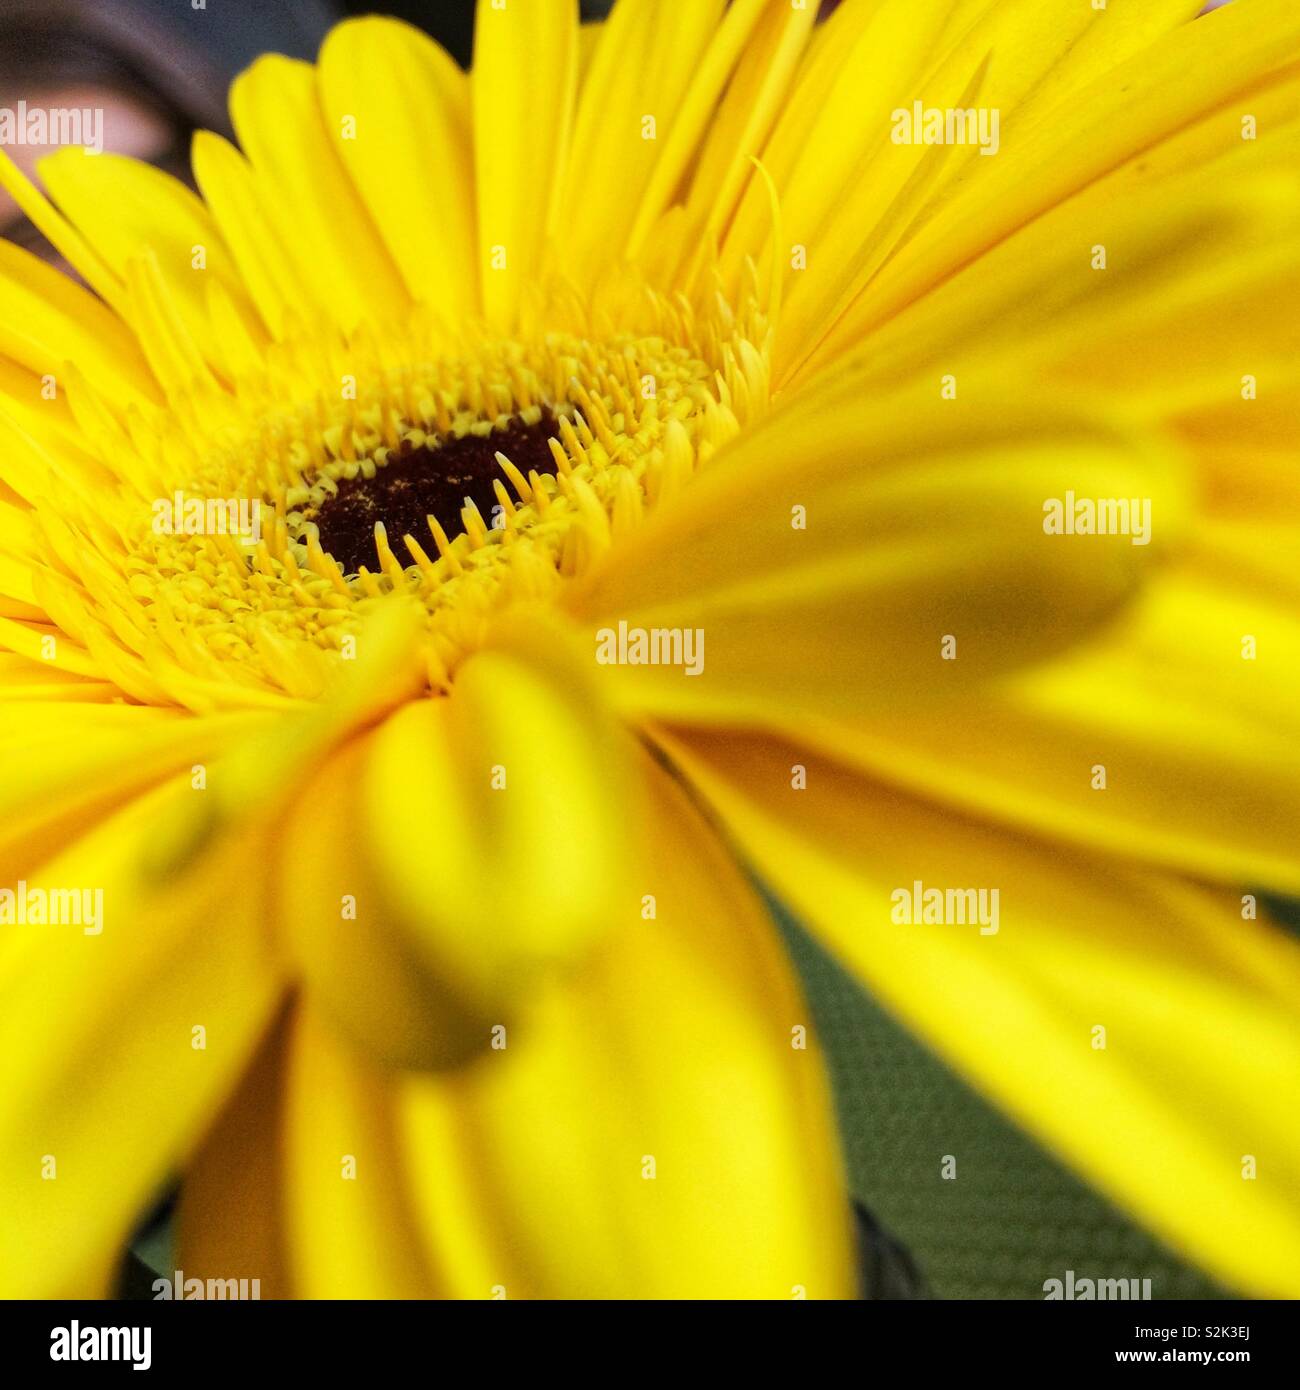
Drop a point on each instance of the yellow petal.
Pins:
(398, 111)
(1043, 55)
(46, 319)
(1201, 1055)
(642, 69)
(22, 680)
(230, 190)
(831, 155)
(747, 113)
(697, 111)
(125, 206)
(120, 1037)
(652, 1130)
(361, 973)
(66, 768)
(230, 1219)
(496, 821)
(523, 84)
(300, 1183)
(60, 233)
(888, 199)
(1167, 292)
(1171, 742)
(1124, 112)
(304, 191)
(347, 1224)
(262, 770)
(830, 554)
(588, 37)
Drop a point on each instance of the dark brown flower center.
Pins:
(419, 481)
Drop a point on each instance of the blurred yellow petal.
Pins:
(1166, 295)
(1172, 742)
(827, 557)
(497, 821)
(361, 972)
(46, 320)
(67, 768)
(22, 680)
(121, 1036)
(300, 1183)
(230, 1219)
(1179, 1107)
(653, 1129)
(588, 37)
(347, 1224)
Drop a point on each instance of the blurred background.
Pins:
(159, 69)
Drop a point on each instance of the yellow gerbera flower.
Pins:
(436, 560)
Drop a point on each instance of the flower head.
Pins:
(446, 559)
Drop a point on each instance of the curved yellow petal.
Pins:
(1134, 1022)
(497, 822)
(398, 111)
(1172, 742)
(842, 555)
(121, 1032)
(361, 973)
(653, 1130)
(1122, 114)
(348, 1230)
(124, 207)
(305, 192)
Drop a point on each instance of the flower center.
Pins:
(441, 479)
(265, 516)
